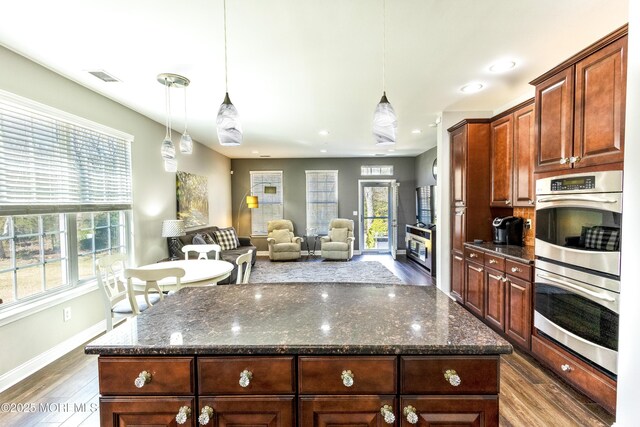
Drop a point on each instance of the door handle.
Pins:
(576, 288)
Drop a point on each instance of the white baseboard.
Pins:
(33, 365)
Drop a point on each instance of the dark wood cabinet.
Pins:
(512, 146)
(458, 229)
(259, 411)
(458, 166)
(474, 297)
(518, 311)
(494, 282)
(580, 108)
(345, 411)
(146, 411)
(473, 411)
(457, 277)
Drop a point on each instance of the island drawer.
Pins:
(474, 255)
(449, 375)
(494, 261)
(518, 269)
(268, 375)
(146, 376)
(330, 375)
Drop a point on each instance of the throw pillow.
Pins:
(235, 234)
(199, 239)
(339, 234)
(281, 236)
(209, 239)
(226, 238)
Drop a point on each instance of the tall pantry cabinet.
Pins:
(470, 190)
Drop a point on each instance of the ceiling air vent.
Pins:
(265, 155)
(104, 76)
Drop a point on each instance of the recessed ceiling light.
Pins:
(472, 88)
(391, 150)
(255, 152)
(502, 66)
(323, 132)
(416, 131)
(433, 125)
(323, 151)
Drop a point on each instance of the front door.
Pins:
(377, 217)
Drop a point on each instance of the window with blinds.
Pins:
(65, 198)
(267, 185)
(322, 200)
(376, 170)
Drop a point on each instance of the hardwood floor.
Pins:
(65, 392)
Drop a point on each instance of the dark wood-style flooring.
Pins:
(530, 395)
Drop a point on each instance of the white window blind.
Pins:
(51, 161)
(270, 203)
(322, 200)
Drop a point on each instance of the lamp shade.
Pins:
(385, 122)
(173, 228)
(252, 202)
(228, 124)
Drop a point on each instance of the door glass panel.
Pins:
(376, 217)
(579, 228)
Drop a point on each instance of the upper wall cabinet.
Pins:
(580, 108)
(512, 147)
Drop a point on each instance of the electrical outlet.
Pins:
(527, 224)
(355, 213)
(66, 314)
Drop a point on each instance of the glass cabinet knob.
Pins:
(205, 415)
(183, 413)
(410, 414)
(387, 414)
(143, 378)
(347, 378)
(452, 376)
(245, 378)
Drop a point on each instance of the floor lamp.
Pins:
(252, 201)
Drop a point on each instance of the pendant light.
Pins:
(228, 121)
(385, 122)
(168, 150)
(186, 143)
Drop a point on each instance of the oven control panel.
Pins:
(584, 182)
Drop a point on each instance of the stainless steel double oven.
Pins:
(577, 278)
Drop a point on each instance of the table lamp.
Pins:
(172, 229)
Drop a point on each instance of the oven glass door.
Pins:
(418, 249)
(577, 314)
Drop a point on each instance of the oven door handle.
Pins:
(597, 295)
(575, 199)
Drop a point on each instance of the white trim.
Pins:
(54, 113)
(265, 172)
(401, 251)
(33, 365)
(27, 309)
(320, 171)
(262, 253)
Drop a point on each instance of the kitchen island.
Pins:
(301, 354)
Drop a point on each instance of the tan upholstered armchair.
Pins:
(339, 243)
(283, 245)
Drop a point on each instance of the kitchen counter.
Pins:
(303, 319)
(523, 254)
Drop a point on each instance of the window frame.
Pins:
(369, 170)
(316, 227)
(265, 200)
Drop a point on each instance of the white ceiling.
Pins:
(300, 66)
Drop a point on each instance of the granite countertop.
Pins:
(519, 253)
(300, 318)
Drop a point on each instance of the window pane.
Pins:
(6, 256)
(115, 218)
(115, 237)
(85, 241)
(6, 287)
(52, 248)
(29, 281)
(26, 225)
(101, 219)
(102, 239)
(27, 250)
(83, 221)
(85, 267)
(5, 226)
(51, 223)
(54, 274)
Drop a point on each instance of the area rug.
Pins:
(265, 271)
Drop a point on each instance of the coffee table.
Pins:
(201, 272)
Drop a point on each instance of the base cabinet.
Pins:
(345, 411)
(258, 411)
(472, 411)
(146, 411)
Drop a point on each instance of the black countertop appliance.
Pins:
(508, 230)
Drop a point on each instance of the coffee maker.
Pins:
(508, 230)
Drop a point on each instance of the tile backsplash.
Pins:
(527, 213)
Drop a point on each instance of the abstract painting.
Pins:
(193, 199)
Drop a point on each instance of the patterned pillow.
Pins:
(603, 239)
(227, 238)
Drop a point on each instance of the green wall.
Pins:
(294, 182)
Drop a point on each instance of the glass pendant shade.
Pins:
(385, 122)
(168, 150)
(170, 165)
(186, 143)
(228, 124)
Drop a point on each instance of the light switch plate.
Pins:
(355, 213)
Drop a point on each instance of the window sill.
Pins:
(27, 309)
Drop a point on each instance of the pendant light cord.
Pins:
(185, 109)
(384, 43)
(167, 98)
(226, 85)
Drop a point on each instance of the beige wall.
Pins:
(154, 197)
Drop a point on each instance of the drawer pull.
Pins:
(452, 376)
(566, 368)
(493, 261)
(478, 269)
(410, 414)
(347, 378)
(144, 377)
(504, 279)
(516, 269)
(183, 413)
(205, 415)
(245, 378)
(564, 160)
(507, 202)
(575, 159)
(472, 255)
(387, 414)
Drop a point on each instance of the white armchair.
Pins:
(283, 244)
(339, 243)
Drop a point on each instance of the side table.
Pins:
(311, 251)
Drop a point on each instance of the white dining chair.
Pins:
(150, 277)
(244, 267)
(117, 307)
(202, 250)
